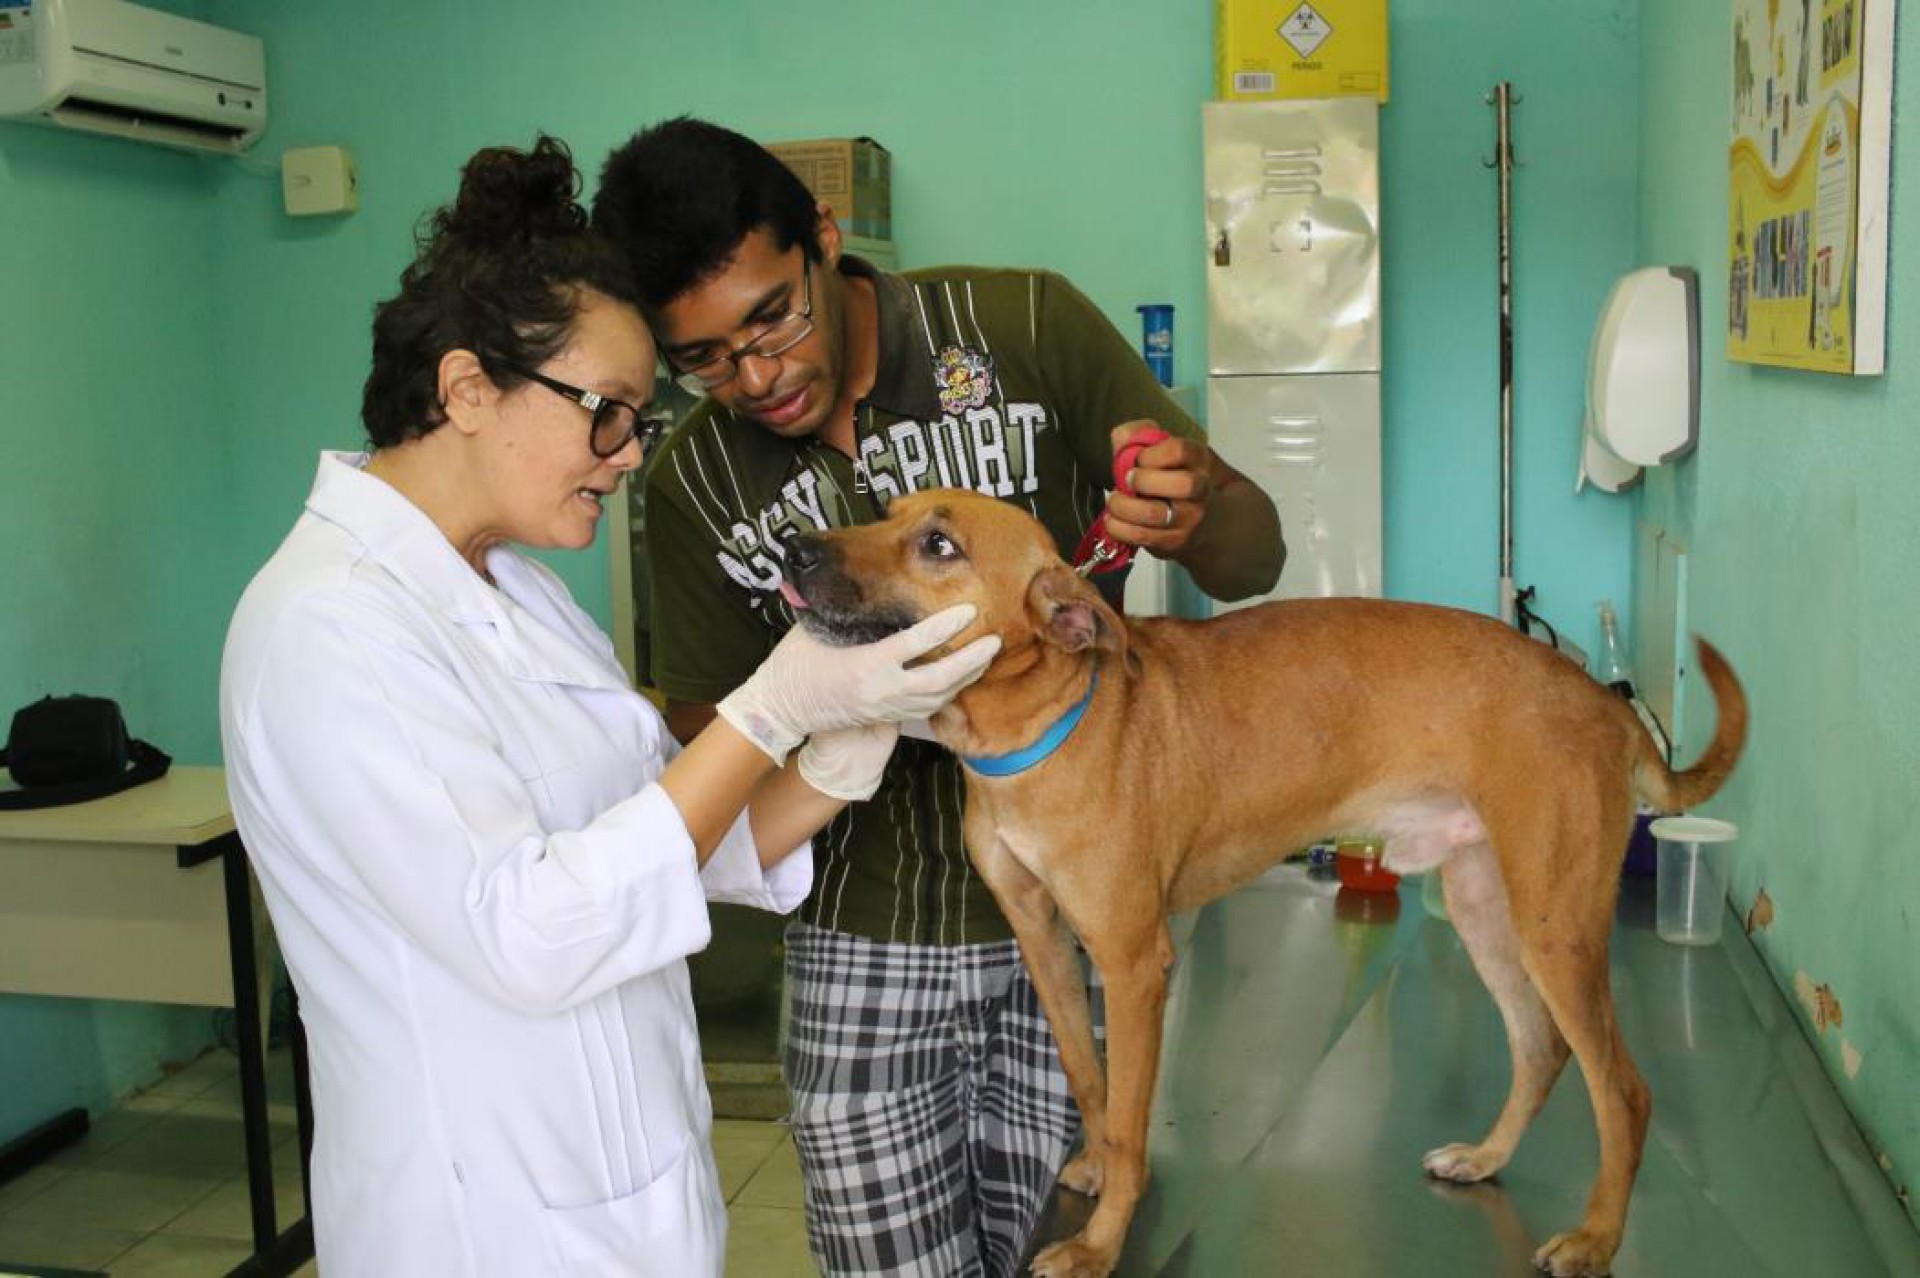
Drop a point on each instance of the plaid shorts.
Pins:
(929, 1107)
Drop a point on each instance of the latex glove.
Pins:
(807, 686)
(848, 763)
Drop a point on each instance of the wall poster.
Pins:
(1812, 116)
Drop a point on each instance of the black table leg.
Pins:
(253, 1058)
(275, 1254)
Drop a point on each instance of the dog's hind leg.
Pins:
(1046, 946)
(1582, 1005)
(1478, 905)
(1565, 951)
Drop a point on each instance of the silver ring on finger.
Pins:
(1169, 521)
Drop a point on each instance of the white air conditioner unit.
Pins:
(105, 66)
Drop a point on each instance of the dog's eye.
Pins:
(938, 545)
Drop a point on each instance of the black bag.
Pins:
(71, 749)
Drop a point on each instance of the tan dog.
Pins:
(1206, 751)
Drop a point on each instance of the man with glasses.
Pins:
(929, 1108)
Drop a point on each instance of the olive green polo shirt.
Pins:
(1007, 382)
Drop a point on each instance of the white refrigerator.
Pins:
(1293, 327)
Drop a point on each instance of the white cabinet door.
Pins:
(1313, 443)
(1293, 245)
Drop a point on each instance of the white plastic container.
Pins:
(1692, 865)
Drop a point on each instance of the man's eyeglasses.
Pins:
(614, 421)
(774, 340)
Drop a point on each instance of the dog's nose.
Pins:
(804, 554)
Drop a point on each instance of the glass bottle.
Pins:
(1610, 664)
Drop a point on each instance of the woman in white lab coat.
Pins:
(485, 858)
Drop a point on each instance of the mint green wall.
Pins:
(114, 511)
(1799, 514)
(1575, 69)
(1059, 134)
(1107, 188)
(115, 496)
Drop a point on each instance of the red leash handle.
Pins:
(1127, 458)
(1097, 551)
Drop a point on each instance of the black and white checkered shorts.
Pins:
(929, 1107)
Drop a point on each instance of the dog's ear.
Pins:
(1069, 613)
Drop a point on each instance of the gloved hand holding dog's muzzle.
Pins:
(807, 686)
(848, 763)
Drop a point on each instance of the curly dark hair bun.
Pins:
(510, 195)
(498, 272)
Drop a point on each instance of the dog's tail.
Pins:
(1672, 791)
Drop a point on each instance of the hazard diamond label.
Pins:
(1305, 30)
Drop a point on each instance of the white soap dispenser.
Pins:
(1643, 377)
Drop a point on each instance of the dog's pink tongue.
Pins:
(792, 596)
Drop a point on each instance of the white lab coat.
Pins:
(485, 903)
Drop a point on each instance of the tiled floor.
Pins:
(157, 1189)
(760, 1175)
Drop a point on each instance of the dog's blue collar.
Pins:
(1006, 765)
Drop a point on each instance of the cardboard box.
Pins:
(854, 175)
(1267, 49)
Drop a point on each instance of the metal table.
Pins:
(146, 896)
(1318, 1043)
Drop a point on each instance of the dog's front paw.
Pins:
(1074, 1258)
(1083, 1174)
(1462, 1164)
(1579, 1253)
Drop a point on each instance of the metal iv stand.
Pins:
(1503, 100)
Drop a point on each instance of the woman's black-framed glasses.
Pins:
(614, 420)
(771, 342)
